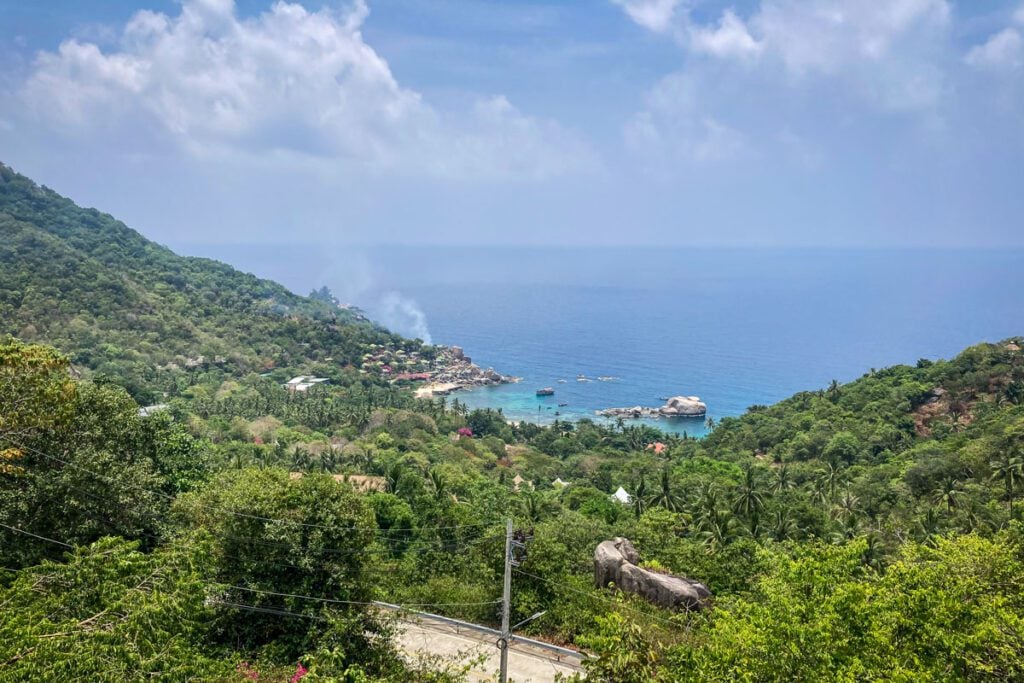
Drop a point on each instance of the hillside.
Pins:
(862, 531)
(131, 310)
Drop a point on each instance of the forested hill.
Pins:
(127, 308)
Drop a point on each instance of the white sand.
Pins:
(427, 390)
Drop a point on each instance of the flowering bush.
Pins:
(465, 431)
(248, 671)
(300, 671)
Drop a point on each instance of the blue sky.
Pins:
(605, 122)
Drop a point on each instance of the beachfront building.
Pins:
(303, 383)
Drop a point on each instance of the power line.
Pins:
(42, 538)
(466, 544)
(358, 602)
(597, 597)
(290, 595)
(413, 545)
(268, 610)
(248, 516)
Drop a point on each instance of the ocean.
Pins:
(736, 327)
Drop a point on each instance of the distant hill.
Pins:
(129, 309)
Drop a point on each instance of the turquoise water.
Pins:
(735, 327)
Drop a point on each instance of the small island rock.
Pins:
(676, 406)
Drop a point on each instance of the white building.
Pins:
(303, 383)
(622, 497)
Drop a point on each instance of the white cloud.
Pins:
(673, 126)
(1004, 49)
(292, 81)
(656, 15)
(730, 39)
(884, 51)
(824, 36)
(748, 77)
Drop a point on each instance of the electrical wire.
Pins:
(596, 597)
(267, 610)
(291, 595)
(357, 602)
(41, 538)
(394, 545)
(255, 517)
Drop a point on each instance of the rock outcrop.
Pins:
(677, 406)
(615, 562)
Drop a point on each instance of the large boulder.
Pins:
(684, 406)
(615, 562)
(677, 406)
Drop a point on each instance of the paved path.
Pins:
(526, 663)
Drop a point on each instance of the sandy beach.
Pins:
(428, 390)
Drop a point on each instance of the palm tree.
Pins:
(783, 526)
(833, 391)
(971, 520)
(848, 505)
(956, 411)
(665, 496)
(1010, 469)
(819, 490)
(438, 483)
(393, 478)
(635, 437)
(640, 497)
(329, 461)
(849, 530)
(719, 532)
(534, 505)
(832, 477)
(948, 492)
(874, 552)
(928, 526)
(707, 504)
(748, 501)
(302, 460)
(783, 480)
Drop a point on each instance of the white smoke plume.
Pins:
(353, 280)
(403, 315)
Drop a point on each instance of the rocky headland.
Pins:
(454, 370)
(676, 406)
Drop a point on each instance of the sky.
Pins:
(836, 123)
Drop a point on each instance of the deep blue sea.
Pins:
(735, 327)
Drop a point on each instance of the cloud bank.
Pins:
(288, 81)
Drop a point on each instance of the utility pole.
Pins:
(506, 600)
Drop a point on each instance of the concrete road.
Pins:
(526, 664)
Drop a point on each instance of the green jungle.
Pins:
(169, 510)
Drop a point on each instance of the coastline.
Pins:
(436, 389)
(454, 371)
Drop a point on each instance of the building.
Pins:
(303, 383)
(622, 497)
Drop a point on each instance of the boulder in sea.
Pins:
(684, 406)
(676, 406)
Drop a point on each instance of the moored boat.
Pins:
(546, 391)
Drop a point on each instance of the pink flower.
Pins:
(246, 670)
(465, 431)
(300, 671)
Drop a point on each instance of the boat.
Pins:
(546, 391)
(562, 405)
